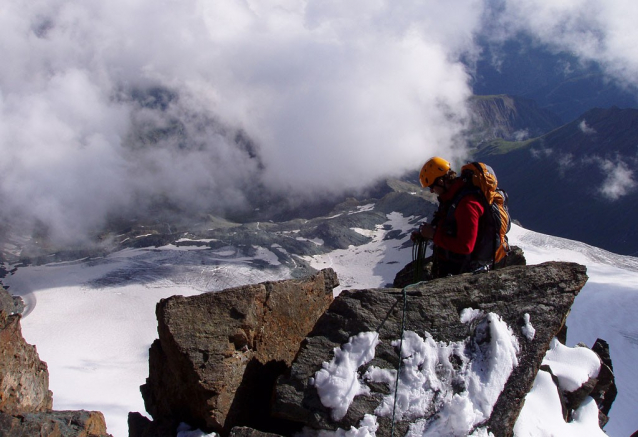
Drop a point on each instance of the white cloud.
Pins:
(592, 30)
(565, 163)
(331, 95)
(619, 179)
(521, 135)
(541, 153)
(585, 128)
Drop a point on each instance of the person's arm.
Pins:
(467, 216)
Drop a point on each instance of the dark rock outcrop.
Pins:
(218, 354)
(544, 292)
(25, 398)
(604, 391)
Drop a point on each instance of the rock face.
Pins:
(604, 389)
(543, 292)
(25, 398)
(24, 379)
(218, 354)
(510, 118)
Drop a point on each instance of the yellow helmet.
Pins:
(432, 169)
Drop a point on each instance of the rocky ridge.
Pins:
(514, 296)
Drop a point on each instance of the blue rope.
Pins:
(396, 384)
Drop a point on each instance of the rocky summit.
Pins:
(250, 360)
(542, 294)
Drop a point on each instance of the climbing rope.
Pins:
(396, 383)
(418, 256)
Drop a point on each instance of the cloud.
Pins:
(585, 128)
(565, 163)
(542, 152)
(619, 179)
(110, 107)
(603, 32)
(521, 135)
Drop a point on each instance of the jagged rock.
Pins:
(218, 354)
(54, 423)
(545, 292)
(24, 379)
(605, 391)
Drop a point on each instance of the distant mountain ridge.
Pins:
(575, 181)
(508, 117)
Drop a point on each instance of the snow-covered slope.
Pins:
(94, 320)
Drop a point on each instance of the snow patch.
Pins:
(316, 241)
(572, 366)
(363, 208)
(338, 382)
(527, 329)
(455, 383)
(469, 314)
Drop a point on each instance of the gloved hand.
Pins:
(425, 232)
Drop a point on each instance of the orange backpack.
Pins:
(491, 245)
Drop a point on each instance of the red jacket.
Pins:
(467, 215)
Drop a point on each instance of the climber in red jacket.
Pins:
(455, 227)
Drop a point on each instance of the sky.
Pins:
(109, 107)
(93, 323)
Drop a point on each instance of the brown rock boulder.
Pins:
(219, 353)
